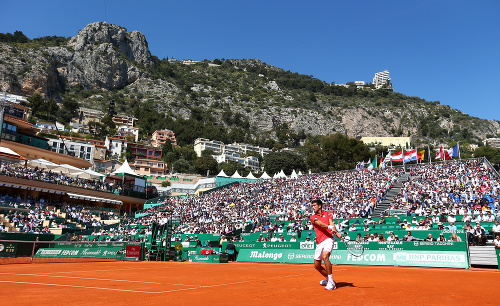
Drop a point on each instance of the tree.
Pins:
(207, 152)
(204, 164)
(165, 183)
(491, 154)
(287, 161)
(182, 166)
(231, 167)
(68, 111)
(166, 147)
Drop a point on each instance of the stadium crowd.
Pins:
(466, 188)
(59, 178)
(347, 194)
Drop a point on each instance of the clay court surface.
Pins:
(185, 283)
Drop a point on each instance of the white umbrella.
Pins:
(88, 174)
(68, 169)
(42, 163)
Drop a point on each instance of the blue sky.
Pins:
(439, 50)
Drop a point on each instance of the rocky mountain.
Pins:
(104, 62)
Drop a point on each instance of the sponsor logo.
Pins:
(264, 254)
(367, 257)
(291, 256)
(307, 245)
(91, 253)
(70, 252)
(50, 252)
(2, 247)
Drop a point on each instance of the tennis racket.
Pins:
(354, 248)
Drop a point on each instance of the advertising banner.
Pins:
(86, 250)
(418, 253)
(8, 249)
(498, 258)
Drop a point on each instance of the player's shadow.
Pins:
(345, 284)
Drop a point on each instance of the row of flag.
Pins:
(410, 156)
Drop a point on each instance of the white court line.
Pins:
(75, 286)
(77, 277)
(99, 270)
(138, 291)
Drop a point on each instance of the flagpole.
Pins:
(429, 153)
(458, 147)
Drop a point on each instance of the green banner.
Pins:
(498, 258)
(84, 250)
(8, 249)
(418, 253)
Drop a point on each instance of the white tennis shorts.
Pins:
(324, 246)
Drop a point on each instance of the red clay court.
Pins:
(188, 283)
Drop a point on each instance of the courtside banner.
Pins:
(418, 254)
(498, 258)
(133, 251)
(86, 250)
(8, 249)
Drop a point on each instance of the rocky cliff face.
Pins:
(101, 56)
(107, 57)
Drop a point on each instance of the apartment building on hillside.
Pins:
(381, 78)
(160, 137)
(219, 147)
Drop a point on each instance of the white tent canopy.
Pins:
(88, 174)
(250, 176)
(281, 174)
(42, 163)
(294, 175)
(67, 168)
(236, 175)
(300, 173)
(265, 176)
(125, 170)
(222, 174)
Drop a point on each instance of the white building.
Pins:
(250, 161)
(115, 146)
(219, 147)
(79, 149)
(125, 131)
(381, 78)
(492, 142)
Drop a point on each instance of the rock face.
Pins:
(107, 57)
(101, 56)
(133, 45)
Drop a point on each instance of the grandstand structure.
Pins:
(432, 201)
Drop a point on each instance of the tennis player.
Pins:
(325, 229)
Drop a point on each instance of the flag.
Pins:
(387, 158)
(410, 156)
(420, 155)
(397, 157)
(453, 152)
(373, 165)
(359, 165)
(442, 154)
(381, 164)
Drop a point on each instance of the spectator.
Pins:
(430, 238)
(497, 242)
(479, 235)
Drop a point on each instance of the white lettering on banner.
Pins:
(70, 252)
(367, 257)
(87, 252)
(308, 245)
(264, 254)
(429, 257)
(50, 252)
